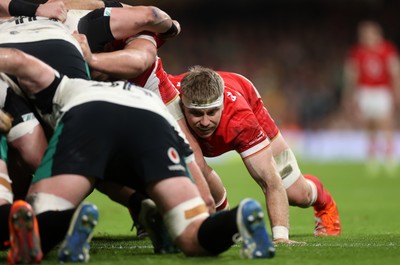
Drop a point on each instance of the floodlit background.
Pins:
(292, 50)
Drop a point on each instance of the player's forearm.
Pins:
(127, 22)
(123, 64)
(158, 21)
(202, 186)
(214, 182)
(92, 4)
(32, 74)
(262, 168)
(50, 9)
(11, 61)
(278, 210)
(217, 189)
(4, 8)
(84, 4)
(18, 8)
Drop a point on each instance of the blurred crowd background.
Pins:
(292, 50)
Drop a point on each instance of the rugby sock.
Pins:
(324, 198)
(223, 204)
(53, 226)
(372, 147)
(135, 204)
(389, 149)
(4, 231)
(216, 233)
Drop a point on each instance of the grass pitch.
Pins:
(369, 208)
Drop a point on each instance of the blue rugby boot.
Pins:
(76, 245)
(256, 241)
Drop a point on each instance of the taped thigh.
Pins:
(23, 128)
(181, 216)
(5, 188)
(43, 202)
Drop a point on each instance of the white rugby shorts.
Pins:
(375, 103)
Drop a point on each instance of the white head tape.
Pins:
(195, 105)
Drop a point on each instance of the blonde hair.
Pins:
(202, 85)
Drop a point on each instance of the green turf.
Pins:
(368, 207)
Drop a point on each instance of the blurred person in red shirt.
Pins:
(372, 86)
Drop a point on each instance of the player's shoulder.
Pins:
(389, 46)
(234, 103)
(234, 79)
(230, 75)
(176, 79)
(355, 50)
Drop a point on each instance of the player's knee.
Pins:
(300, 194)
(189, 247)
(301, 201)
(183, 221)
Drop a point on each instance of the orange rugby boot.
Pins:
(24, 235)
(327, 221)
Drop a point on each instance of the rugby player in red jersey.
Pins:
(372, 80)
(225, 112)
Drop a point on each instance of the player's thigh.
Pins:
(26, 135)
(170, 192)
(72, 188)
(31, 145)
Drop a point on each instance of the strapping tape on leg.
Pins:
(182, 215)
(5, 188)
(288, 168)
(43, 202)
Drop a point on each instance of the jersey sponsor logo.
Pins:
(173, 155)
(176, 168)
(107, 11)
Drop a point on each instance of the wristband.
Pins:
(22, 8)
(173, 30)
(112, 3)
(280, 232)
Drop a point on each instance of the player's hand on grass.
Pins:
(287, 241)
